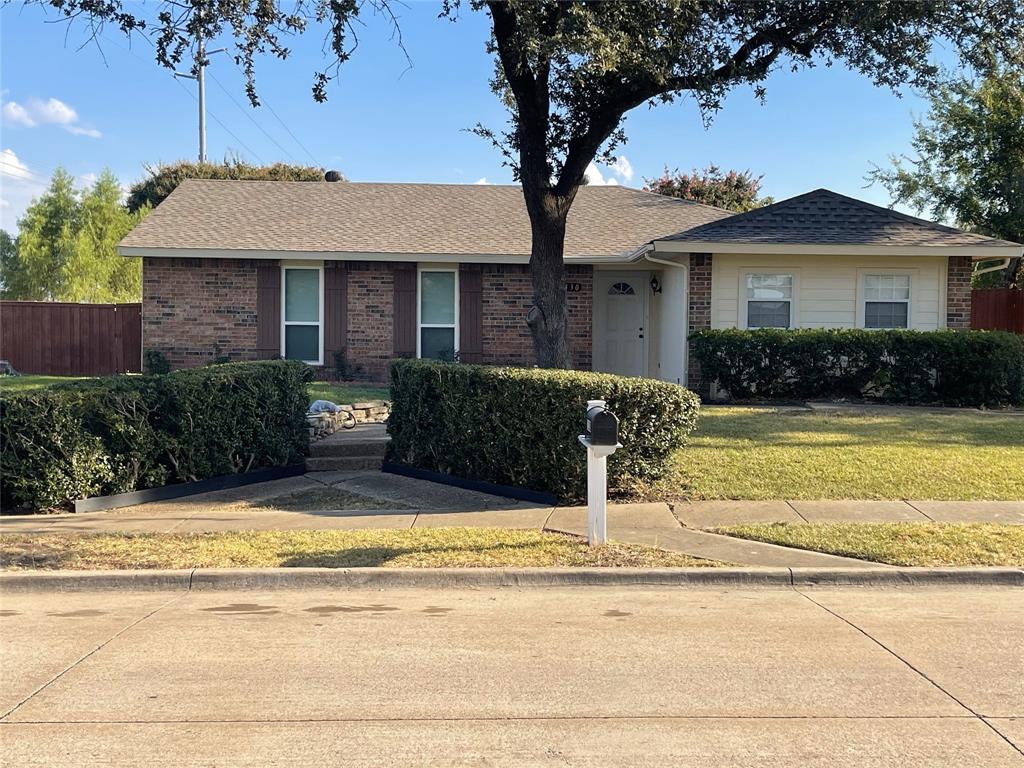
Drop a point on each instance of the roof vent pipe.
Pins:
(333, 176)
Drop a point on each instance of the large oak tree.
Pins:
(570, 71)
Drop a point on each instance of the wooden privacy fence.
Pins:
(997, 309)
(60, 339)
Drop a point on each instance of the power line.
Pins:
(285, 126)
(251, 118)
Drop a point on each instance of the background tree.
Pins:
(67, 245)
(163, 178)
(11, 274)
(969, 163)
(734, 191)
(46, 239)
(94, 272)
(570, 71)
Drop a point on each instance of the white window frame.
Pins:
(319, 267)
(862, 295)
(420, 325)
(766, 271)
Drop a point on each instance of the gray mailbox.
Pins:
(602, 426)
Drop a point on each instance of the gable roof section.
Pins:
(823, 217)
(410, 219)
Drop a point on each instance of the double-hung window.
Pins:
(438, 314)
(302, 314)
(887, 301)
(769, 301)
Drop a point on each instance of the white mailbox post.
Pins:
(601, 440)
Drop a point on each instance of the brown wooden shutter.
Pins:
(404, 340)
(268, 310)
(335, 309)
(471, 313)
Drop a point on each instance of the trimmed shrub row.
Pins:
(125, 433)
(958, 368)
(519, 426)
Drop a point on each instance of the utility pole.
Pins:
(200, 78)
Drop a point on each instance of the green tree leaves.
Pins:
(734, 191)
(67, 245)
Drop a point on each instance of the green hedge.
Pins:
(972, 368)
(124, 433)
(519, 426)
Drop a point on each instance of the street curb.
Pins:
(390, 578)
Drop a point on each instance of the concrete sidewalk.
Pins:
(371, 499)
(601, 676)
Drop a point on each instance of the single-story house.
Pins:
(262, 269)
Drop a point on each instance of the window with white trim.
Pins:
(302, 314)
(887, 301)
(437, 314)
(769, 301)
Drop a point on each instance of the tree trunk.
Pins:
(549, 315)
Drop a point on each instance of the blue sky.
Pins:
(87, 109)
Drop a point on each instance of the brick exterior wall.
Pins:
(958, 292)
(508, 295)
(700, 309)
(371, 296)
(196, 310)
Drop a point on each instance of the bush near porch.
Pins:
(958, 368)
(519, 426)
(125, 433)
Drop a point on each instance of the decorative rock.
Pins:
(323, 424)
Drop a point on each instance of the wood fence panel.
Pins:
(59, 339)
(997, 309)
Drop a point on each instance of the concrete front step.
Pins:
(342, 463)
(325, 448)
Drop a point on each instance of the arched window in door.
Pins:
(621, 289)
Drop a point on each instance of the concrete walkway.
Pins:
(370, 499)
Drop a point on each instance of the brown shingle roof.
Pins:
(823, 217)
(457, 219)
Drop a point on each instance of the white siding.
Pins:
(829, 288)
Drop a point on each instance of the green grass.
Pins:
(922, 544)
(318, 390)
(750, 453)
(30, 382)
(409, 548)
(346, 393)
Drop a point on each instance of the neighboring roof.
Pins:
(823, 217)
(420, 219)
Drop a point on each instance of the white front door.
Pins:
(620, 310)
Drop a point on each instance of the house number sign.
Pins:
(573, 287)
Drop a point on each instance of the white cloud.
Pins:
(20, 185)
(86, 179)
(482, 180)
(596, 179)
(16, 114)
(11, 167)
(621, 168)
(50, 112)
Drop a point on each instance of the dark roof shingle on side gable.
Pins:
(416, 219)
(823, 217)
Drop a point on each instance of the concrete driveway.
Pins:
(596, 676)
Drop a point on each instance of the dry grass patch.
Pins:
(920, 544)
(411, 548)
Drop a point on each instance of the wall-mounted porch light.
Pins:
(655, 284)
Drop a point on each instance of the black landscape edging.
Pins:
(508, 491)
(178, 490)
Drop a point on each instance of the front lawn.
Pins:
(343, 394)
(409, 548)
(25, 383)
(922, 544)
(318, 390)
(754, 453)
